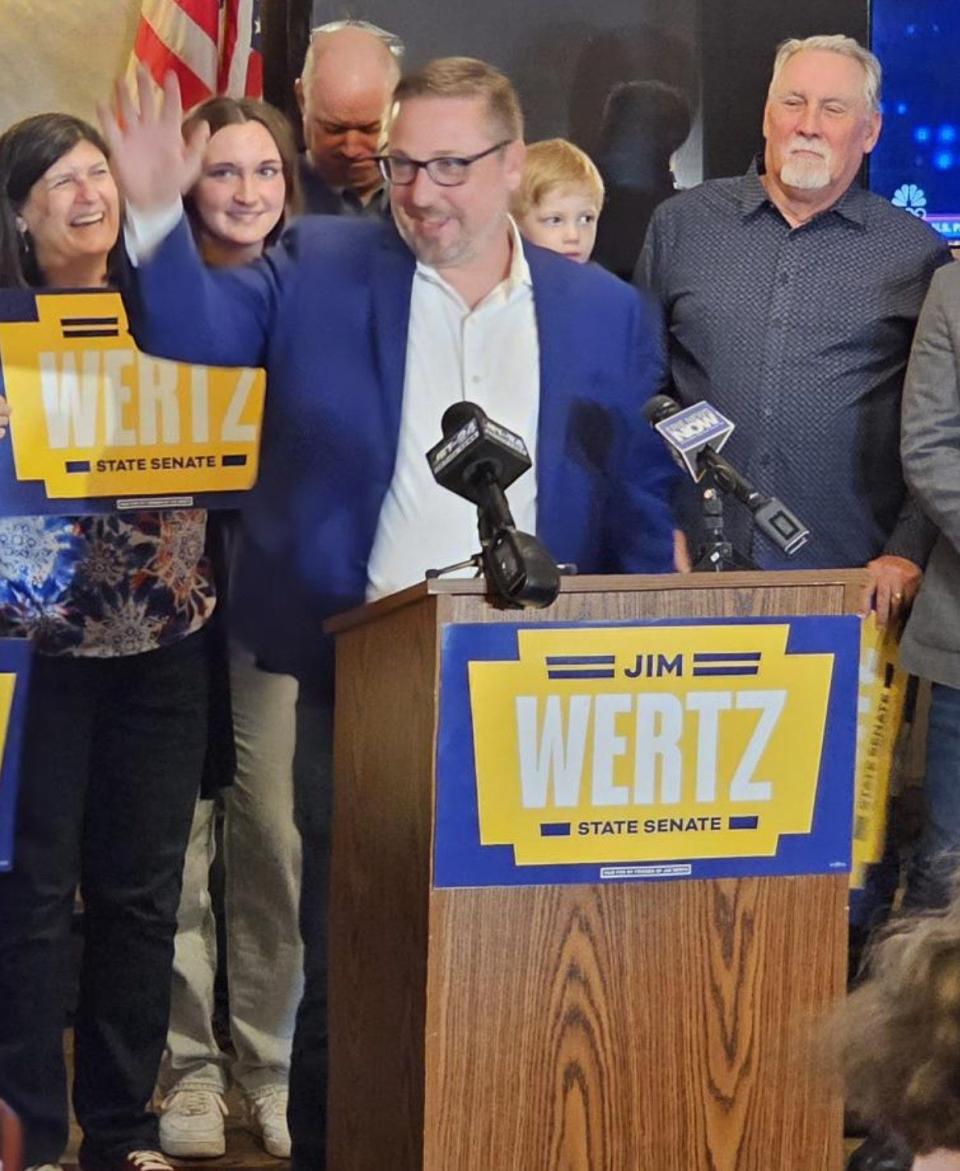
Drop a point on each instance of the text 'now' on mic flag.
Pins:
(213, 46)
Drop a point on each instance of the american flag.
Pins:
(213, 46)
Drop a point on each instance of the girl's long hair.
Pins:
(223, 111)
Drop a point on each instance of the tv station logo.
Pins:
(690, 430)
(911, 198)
(648, 743)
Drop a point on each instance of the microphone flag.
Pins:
(689, 430)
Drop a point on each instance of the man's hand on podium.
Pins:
(893, 585)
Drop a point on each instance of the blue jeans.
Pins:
(938, 851)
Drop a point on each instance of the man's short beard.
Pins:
(805, 173)
(432, 252)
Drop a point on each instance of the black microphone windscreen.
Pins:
(458, 415)
(660, 407)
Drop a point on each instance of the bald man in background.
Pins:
(344, 93)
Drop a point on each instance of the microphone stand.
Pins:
(717, 554)
(476, 561)
(518, 569)
(565, 568)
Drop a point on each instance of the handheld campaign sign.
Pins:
(627, 752)
(15, 655)
(883, 691)
(97, 426)
(690, 430)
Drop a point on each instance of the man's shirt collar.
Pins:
(852, 204)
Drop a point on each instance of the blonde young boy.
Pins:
(559, 200)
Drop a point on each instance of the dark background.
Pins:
(917, 161)
(562, 54)
(739, 40)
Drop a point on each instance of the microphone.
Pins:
(477, 459)
(695, 435)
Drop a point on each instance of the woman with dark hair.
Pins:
(74, 231)
(115, 734)
(246, 190)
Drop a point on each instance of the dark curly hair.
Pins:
(899, 1033)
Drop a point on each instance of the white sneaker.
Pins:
(267, 1117)
(42, 1167)
(146, 1161)
(191, 1124)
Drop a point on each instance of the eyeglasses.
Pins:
(445, 171)
(393, 43)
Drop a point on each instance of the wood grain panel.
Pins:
(824, 583)
(714, 599)
(609, 1029)
(380, 879)
(616, 1028)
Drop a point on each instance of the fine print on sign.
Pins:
(661, 750)
(880, 708)
(94, 419)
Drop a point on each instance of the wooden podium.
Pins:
(629, 1027)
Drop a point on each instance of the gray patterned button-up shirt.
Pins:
(801, 336)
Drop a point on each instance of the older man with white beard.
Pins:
(791, 296)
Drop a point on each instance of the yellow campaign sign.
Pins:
(15, 656)
(7, 684)
(882, 693)
(641, 743)
(8, 777)
(95, 417)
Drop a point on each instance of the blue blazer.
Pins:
(326, 312)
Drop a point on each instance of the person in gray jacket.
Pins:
(930, 448)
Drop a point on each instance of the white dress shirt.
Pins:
(488, 355)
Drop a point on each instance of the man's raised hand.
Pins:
(152, 163)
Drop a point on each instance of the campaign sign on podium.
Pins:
(15, 655)
(620, 752)
(97, 425)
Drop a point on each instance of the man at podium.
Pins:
(369, 331)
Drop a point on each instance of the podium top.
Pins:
(851, 580)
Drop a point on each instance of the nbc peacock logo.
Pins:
(911, 198)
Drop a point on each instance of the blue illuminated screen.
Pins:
(916, 163)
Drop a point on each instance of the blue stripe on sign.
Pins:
(78, 465)
(743, 822)
(577, 660)
(572, 673)
(726, 657)
(233, 461)
(554, 829)
(726, 670)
